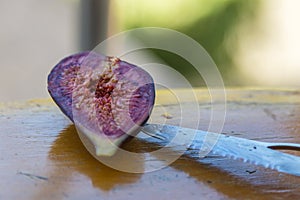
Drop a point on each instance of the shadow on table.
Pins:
(68, 151)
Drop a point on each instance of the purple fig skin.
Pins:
(108, 100)
(62, 78)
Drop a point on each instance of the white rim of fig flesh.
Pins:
(102, 146)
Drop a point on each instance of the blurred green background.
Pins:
(253, 42)
(212, 23)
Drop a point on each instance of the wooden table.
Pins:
(42, 156)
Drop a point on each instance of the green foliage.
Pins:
(216, 31)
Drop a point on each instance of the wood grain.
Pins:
(42, 156)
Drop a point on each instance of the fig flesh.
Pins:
(107, 99)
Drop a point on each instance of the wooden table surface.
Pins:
(42, 156)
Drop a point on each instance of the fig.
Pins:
(107, 99)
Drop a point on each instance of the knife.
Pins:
(255, 152)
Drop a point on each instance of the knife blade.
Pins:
(251, 151)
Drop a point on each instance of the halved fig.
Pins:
(107, 99)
